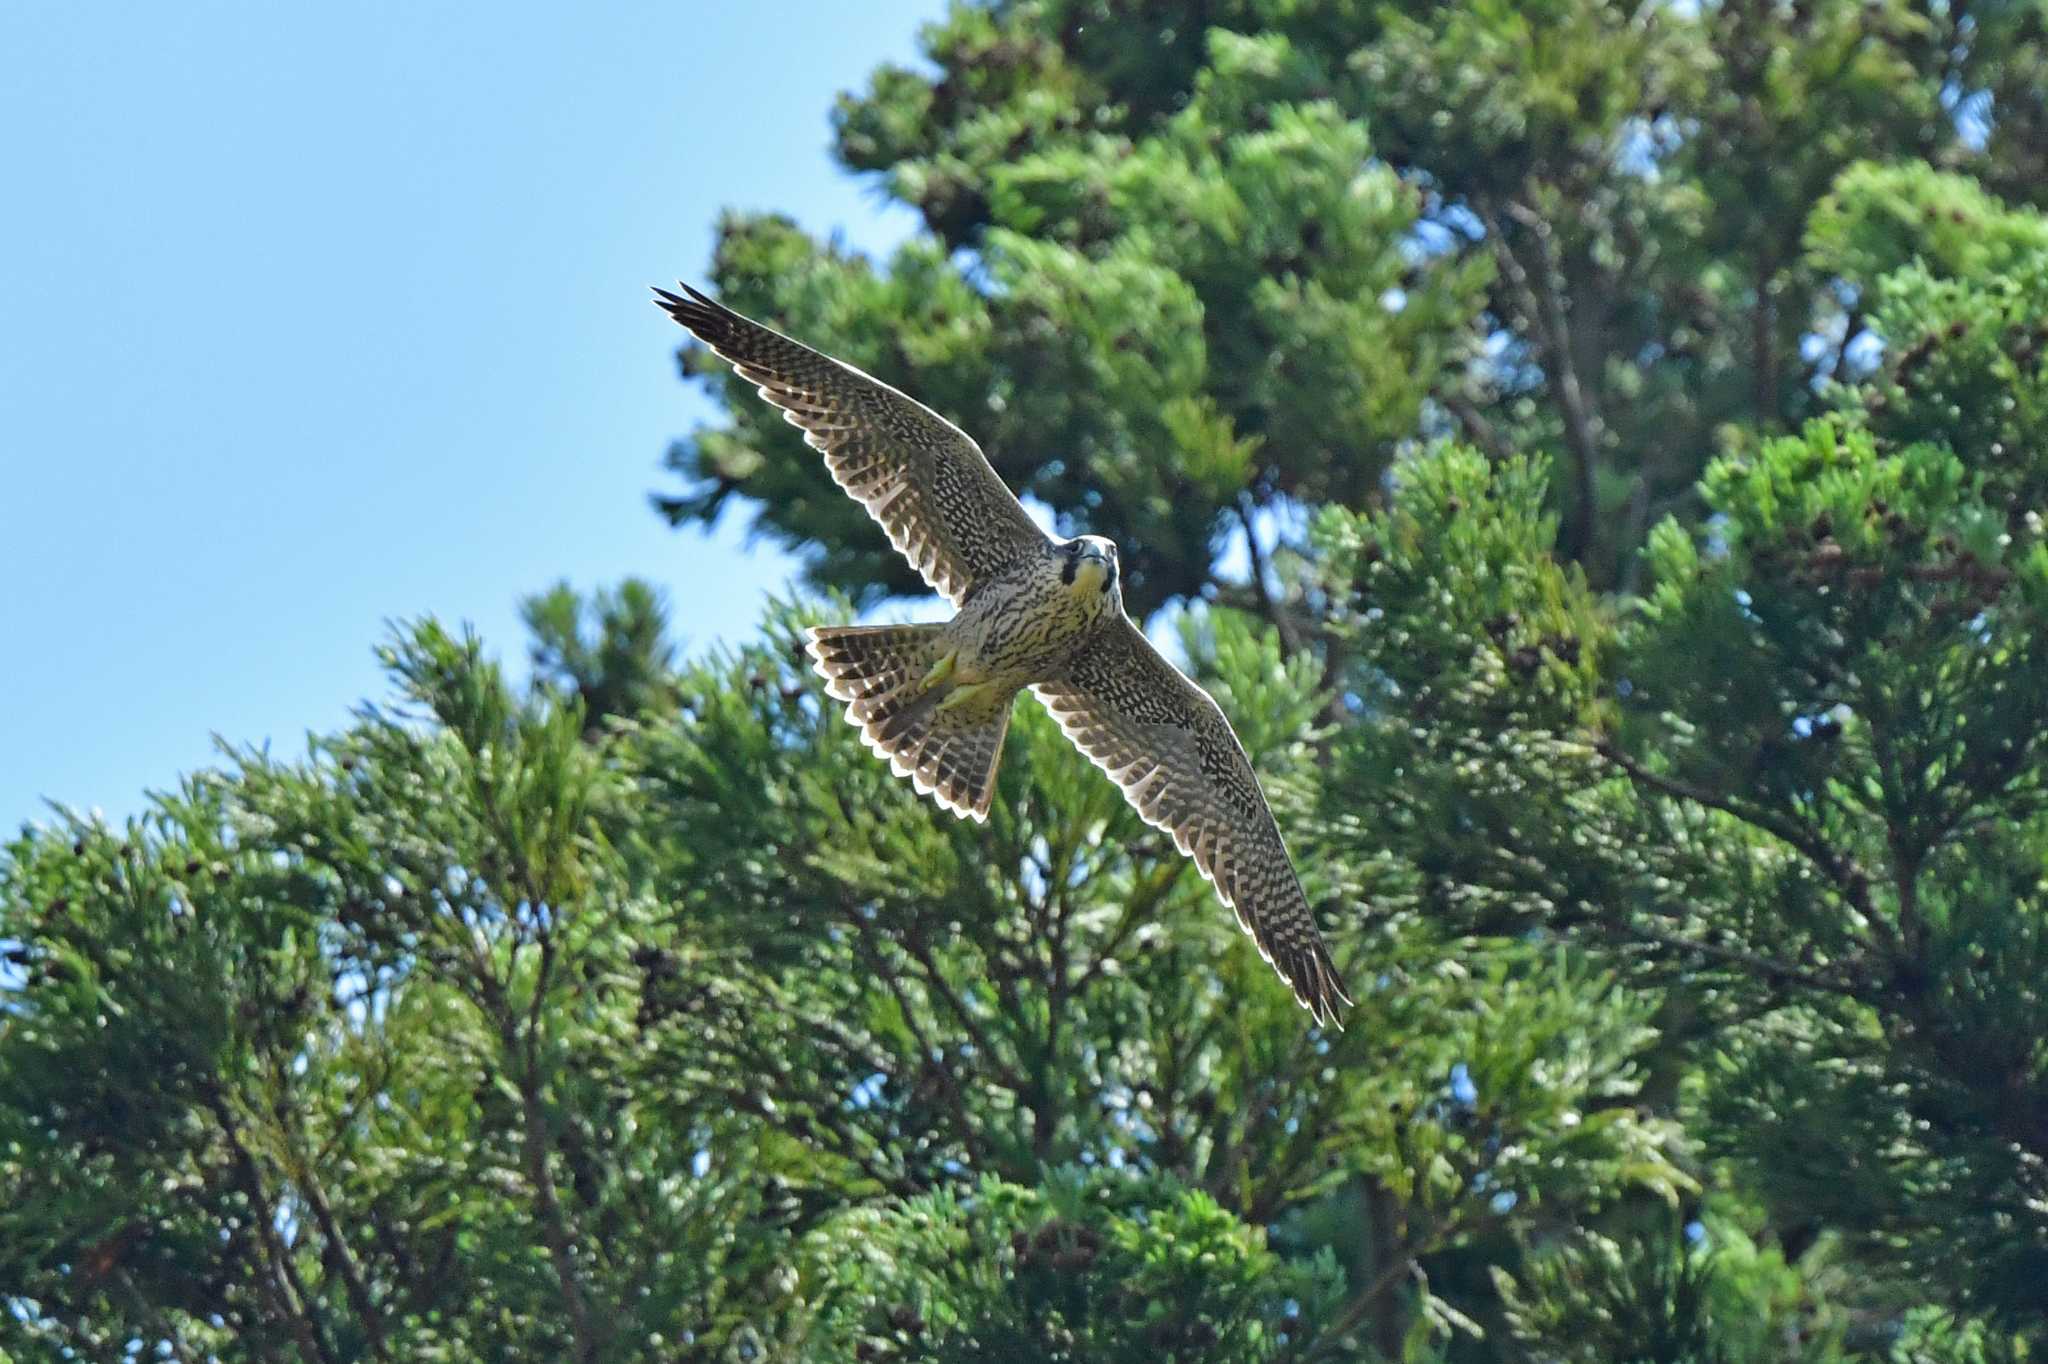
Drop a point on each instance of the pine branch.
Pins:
(1539, 293)
(1290, 636)
(536, 1150)
(1839, 868)
(1749, 961)
(359, 1297)
(1476, 427)
(936, 981)
(536, 1153)
(287, 1289)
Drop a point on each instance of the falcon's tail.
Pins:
(945, 737)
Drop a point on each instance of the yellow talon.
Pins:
(963, 695)
(940, 670)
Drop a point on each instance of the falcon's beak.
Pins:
(1095, 571)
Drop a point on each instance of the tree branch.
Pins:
(1400, 1264)
(1750, 961)
(160, 1325)
(928, 1055)
(1477, 428)
(536, 1148)
(1290, 638)
(360, 1300)
(535, 1151)
(1840, 869)
(1764, 359)
(937, 983)
(286, 1286)
(1541, 299)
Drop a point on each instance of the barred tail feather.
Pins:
(867, 665)
(949, 753)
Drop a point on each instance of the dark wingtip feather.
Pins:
(1321, 991)
(699, 312)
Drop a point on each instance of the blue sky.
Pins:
(322, 316)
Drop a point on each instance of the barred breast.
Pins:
(1026, 624)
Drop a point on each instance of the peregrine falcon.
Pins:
(1032, 611)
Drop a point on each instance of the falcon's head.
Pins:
(1089, 569)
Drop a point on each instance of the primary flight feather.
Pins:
(1032, 611)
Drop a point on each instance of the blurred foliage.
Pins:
(1183, 263)
(1087, 1267)
(1649, 674)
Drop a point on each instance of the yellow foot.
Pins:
(965, 695)
(940, 670)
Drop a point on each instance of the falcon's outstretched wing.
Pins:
(918, 475)
(1163, 740)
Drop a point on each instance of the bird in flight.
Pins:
(1032, 611)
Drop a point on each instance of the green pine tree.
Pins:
(1637, 421)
